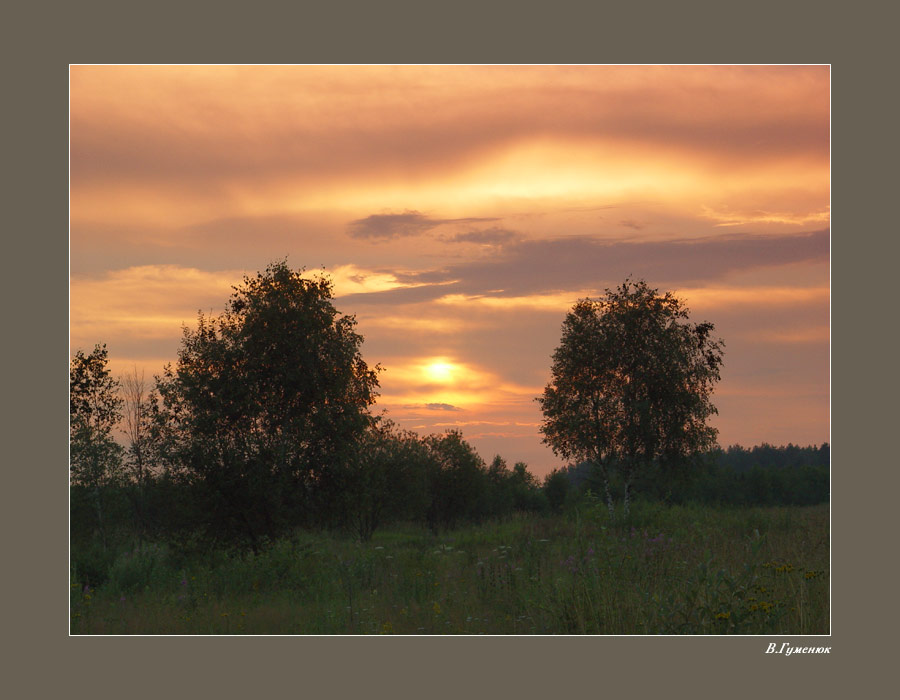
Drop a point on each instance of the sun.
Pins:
(440, 372)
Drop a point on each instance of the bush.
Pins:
(149, 566)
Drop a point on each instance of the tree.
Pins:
(266, 401)
(556, 488)
(137, 430)
(456, 480)
(94, 410)
(385, 481)
(498, 495)
(631, 383)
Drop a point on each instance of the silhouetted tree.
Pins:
(631, 384)
(556, 488)
(498, 496)
(135, 425)
(384, 481)
(456, 480)
(266, 401)
(526, 491)
(94, 410)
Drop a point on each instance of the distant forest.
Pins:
(740, 476)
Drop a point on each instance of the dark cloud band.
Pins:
(547, 265)
(409, 223)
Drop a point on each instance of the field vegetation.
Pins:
(666, 570)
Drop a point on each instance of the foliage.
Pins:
(266, 402)
(95, 458)
(556, 488)
(385, 479)
(759, 476)
(94, 410)
(455, 480)
(767, 456)
(631, 384)
(680, 570)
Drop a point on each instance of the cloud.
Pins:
(434, 407)
(174, 145)
(308, 120)
(490, 236)
(409, 223)
(756, 216)
(552, 265)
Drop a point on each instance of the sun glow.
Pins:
(440, 371)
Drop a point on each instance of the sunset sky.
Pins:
(461, 211)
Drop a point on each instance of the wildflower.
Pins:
(387, 628)
(437, 608)
(723, 615)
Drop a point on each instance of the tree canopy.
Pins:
(631, 383)
(267, 399)
(94, 410)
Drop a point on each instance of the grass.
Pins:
(666, 570)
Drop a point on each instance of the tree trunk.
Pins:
(609, 499)
(98, 506)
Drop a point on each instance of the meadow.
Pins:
(665, 569)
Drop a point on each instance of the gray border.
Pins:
(45, 41)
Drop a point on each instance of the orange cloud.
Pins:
(172, 145)
(705, 298)
(461, 211)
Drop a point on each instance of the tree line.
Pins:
(763, 475)
(264, 424)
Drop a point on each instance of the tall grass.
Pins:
(664, 570)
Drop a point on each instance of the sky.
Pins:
(461, 211)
